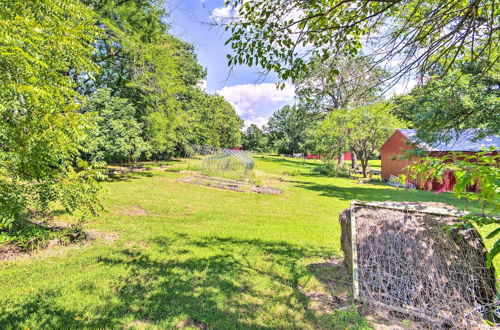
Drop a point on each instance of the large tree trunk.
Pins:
(354, 160)
(364, 166)
(341, 159)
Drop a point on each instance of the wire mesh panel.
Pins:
(231, 164)
(404, 259)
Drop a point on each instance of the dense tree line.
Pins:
(337, 111)
(345, 54)
(94, 81)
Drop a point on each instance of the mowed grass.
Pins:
(172, 254)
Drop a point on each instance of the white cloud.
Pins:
(224, 14)
(259, 121)
(256, 102)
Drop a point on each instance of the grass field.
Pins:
(171, 254)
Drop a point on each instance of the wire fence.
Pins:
(404, 260)
(223, 162)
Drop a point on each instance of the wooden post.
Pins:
(427, 210)
(355, 283)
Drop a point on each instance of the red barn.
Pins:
(393, 152)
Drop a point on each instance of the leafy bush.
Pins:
(331, 168)
(116, 134)
(41, 129)
(29, 236)
(477, 177)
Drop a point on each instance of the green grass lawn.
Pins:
(172, 254)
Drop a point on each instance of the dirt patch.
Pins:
(336, 280)
(102, 236)
(238, 186)
(266, 190)
(11, 251)
(125, 170)
(190, 323)
(134, 211)
(188, 172)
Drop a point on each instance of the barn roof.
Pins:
(465, 141)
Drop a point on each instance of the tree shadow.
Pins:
(287, 162)
(128, 177)
(368, 193)
(215, 290)
(40, 311)
(231, 283)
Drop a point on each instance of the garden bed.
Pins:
(239, 186)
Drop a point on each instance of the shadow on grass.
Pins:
(127, 177)
(287, 162)
(368, 193)
(233, 283)
(39, 311)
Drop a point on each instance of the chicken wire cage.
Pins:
(404, 260)
(229, 164)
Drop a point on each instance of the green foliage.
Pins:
(362, 130)
(158, 75)
(140, 83)
(481, 170)
(117, 135)
(463, 99)
(41, 130)
(331, 168)
(254, 139)
(340, 82)
(287, 129)
(374, 124)
(224, 124)
(286, 36)
(30, 236)
(207, 120)
(333, 136)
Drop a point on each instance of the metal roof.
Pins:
(463, 141)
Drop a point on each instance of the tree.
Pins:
(117, 135)
(374, 124)
(225, 124)
(141, 62)
(363, 130)
(207, 120)
(332, 137)
(463, 99)
(340, 83)
(42, 46)
(284, 35)
(288, 127)
(254, 139)
(158, 75)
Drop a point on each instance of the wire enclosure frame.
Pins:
(403, 260)
(229, 164)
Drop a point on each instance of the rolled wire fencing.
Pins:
(405, 260)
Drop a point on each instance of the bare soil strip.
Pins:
(238, 186)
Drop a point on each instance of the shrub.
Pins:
(331, 168)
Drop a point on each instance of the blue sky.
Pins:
(253, 95)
